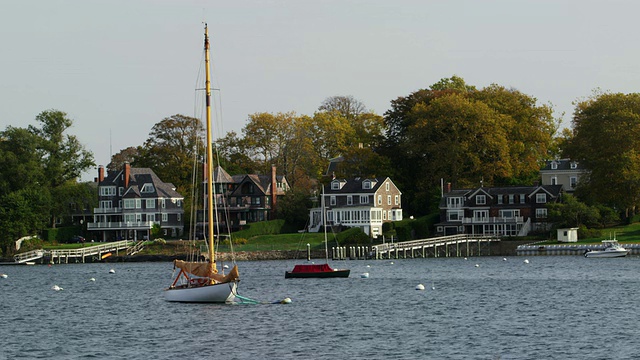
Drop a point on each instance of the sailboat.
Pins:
(318, 270)
(201, 282)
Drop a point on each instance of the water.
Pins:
(556, 307)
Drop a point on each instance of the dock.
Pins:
(444, 246)
(76, 255)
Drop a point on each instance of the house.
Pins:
(502, 211)
(359, 202)
(246, 198)
(254, 197)
(133, 200)
(563, 172)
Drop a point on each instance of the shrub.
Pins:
(353, 236)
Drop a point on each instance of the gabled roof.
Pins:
(220, 176)
(137, 178)
(354, 186)
(551, 190)
(562, 165)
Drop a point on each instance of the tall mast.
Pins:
(209, 142)
(324, 224)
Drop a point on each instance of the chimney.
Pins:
(274, 191)
(127, 174)
(100, 174)
(448, 190)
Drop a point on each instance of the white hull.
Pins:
(218, 293)
(606, 253)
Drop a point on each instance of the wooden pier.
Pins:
(444, 246)
(76, 255)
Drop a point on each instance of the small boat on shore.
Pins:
(611, 249)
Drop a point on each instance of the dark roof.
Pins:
(355, 185)
(553, 190)
(137, 178)
(563, 164)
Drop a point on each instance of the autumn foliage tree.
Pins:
(606, 141)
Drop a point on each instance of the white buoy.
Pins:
(391, 263)
(92, 279)
(364, 275)
(419, 287)
(112, 271)
(4, 276)
(504, 259)
(477, 265)
(368, 266)
(465, 258)
(226, 266)
(286, 301)
(526, 261)
(56, 288)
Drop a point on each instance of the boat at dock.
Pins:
(611, 249)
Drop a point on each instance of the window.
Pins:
(178, 216)
(554, 165)
(573, 182)
(163, 203)
(165, 217)
(150, 204)
(574, 165)
(379, 199)
(499, 199)
(120, 191)
(364, 199)
(147, 188)
(454, 202)
(455, 215)
(554, 181)
(138, 203)
(509, 213)
(510, 198)
(366, 184)
(481, 200)
(129, 218)
(388, 199)
(332, 200)
(397, 200)
(349, 200)
(107, 191)
(179, 203)
(384, 215)
(129, 203)
(522, 199)
(151, 217)
(335, 185)
(106, 204)
(541, 198)
(386, 186)
(541, 213)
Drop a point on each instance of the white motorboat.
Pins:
(611, 249)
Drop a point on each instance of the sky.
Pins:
(119, 67)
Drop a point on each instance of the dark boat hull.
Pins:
(318, 274)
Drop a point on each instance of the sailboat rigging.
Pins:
(318, 270)
(201, 281)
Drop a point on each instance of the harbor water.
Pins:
(555, 307)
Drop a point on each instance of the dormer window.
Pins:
(481, 200)
(366, 184)
(574, 165)
(554, 165)
(335, 185)
(147, 188)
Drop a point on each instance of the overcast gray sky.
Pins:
(118, 67)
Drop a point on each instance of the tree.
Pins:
(347, 106)
(606, 141)
(454, 131)
(63, 157)
(129, 155)
(174, 146)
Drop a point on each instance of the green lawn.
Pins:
(280, 242)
